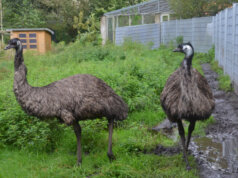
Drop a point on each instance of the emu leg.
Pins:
(190, 130)
(77, 131)
(182, 136)
(110, 128)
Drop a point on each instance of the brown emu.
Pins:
(187, 95)
(72, 99)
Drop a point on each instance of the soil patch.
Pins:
(217, 153)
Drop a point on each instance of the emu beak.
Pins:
(176, 50)
(8, 47)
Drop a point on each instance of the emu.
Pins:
(187, 95)
(76, 98)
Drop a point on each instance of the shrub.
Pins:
(179, 40)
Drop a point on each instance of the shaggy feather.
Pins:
(75, 98)
(187, 96)
(81, 96)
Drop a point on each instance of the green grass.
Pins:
(223, 79)
(59, 164)
(33, 148)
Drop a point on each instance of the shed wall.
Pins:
(43, 40)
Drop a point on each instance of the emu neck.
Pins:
(18, 59)
(20, 81)
(187, 63)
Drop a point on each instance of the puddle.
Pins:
(218, 155)
(217, 152)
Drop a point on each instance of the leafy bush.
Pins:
(179, 40)
(23, 131)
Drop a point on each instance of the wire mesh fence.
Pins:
(144, 34)
(198, 31)
(220, 30)
(226, 40)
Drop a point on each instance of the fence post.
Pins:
(213, 29)
(129, 20)
(220, 33)
(233, 58)
(225, 39)
(142, 19)
(176, 26)
(216, 38)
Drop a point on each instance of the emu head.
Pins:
(14, 43)
(185, 48)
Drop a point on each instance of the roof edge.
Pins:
(129, 7)
(31, 29)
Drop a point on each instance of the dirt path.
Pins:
(216, 153)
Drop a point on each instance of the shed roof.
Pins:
(152, 6)
(30, 29)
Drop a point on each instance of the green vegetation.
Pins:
(223, 79)
(69, 19)
(33, 148)
(179, 40)
(198, 8)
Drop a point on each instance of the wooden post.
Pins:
(142, 19)
(129, 20)
(104, 29)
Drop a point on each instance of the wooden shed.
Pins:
(38, 39)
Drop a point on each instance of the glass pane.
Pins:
(23, 40)
(32, 35)
(165, 18)
(22, 35)
(32, 40)
(149, 18)
(136, 19)
(110, 30)
(123, 21)
(33, 46)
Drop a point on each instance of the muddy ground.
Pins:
(216, 153)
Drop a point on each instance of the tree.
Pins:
(21, 13)
(198, 8)
(60, 15)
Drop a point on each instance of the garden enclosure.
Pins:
(204, 32)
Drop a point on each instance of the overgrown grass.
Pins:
(33, 148)
(223, 79)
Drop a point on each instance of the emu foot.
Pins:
(111, 157)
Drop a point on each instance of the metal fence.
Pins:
(199, 31)
(220, 30)
(141, 33)
(226, 41)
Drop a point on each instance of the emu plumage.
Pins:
(187, 95)
(72, 99)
